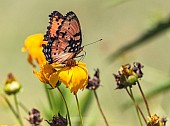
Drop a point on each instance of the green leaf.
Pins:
(161, 27)
(85, 102)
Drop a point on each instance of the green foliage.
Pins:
(160, 28)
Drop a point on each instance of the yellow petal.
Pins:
(47, 70)
(40, 76)
(53, 79)
(65, 75)
(74, 77)
(34, 40)
(33, 44)
(30, 60)
(81, 64)
(79, 79)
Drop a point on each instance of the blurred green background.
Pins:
(118, 23)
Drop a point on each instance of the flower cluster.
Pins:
(128, 75)
(58, 121)
(74, 76)
(155, 120)
(34, 117)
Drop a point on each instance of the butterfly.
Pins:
(64, 38)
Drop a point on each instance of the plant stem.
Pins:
(17, 110)
(134, 101)
(78, 106)
(101, 111)
(144, 98)
(48, 96)
(65, 105)
(24, 107)
(10, 106)
(16, 103)
(136, 105)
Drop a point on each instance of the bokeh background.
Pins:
(118, 23)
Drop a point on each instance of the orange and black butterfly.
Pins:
(63, 36)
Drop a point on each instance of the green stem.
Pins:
(10, 106)
(16, 103)
(144, 98)
(98, 103)
(48, 96)
(137, 106)
(133, 99)
(68, 114)
(24, 107)
(17, 110)
(78, 106)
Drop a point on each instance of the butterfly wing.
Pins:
(71, 32)
(63, 36)
(56, 19)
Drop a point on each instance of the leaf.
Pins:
(85, 102)
(161, 27)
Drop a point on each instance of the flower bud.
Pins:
(128, 75)
(11, 85)
(132, 79)
(155, 120)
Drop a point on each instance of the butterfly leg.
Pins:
(81, 56)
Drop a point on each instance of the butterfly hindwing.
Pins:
(72, 32)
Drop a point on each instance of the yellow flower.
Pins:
(73, 76)
(33, 44)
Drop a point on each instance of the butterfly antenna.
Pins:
(93, 42)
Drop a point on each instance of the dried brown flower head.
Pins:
(128, 75)
(34, 117)
(94, 83)
(58, 121)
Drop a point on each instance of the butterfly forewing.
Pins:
(55, 22)
(63, 36)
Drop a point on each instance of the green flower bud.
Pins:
(12, 88)
(132, 79)
(11, 85)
